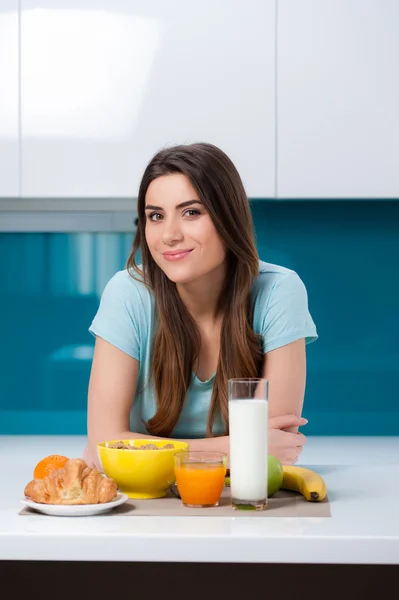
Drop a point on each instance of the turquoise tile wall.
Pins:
(346, 252)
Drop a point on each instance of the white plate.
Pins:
(78, 510)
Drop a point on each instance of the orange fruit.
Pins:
(48, 464)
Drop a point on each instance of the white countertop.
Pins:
(362, 477)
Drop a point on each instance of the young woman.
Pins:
(200, 309)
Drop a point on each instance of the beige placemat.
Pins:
(282, 504)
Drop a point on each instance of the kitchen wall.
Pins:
(346, 253)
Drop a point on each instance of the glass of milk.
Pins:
(248, 425)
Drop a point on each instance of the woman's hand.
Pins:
(90, 460)
(284, 445)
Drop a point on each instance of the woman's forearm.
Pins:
(286, 446)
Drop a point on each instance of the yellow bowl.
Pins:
(141, 473)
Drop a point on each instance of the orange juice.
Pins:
(200, 484)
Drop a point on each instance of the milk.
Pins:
(248, 423)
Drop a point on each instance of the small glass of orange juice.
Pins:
(200, 477)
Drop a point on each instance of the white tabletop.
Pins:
(362, 477)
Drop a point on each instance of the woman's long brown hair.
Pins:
(177, 340)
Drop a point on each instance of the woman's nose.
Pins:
(171, 234)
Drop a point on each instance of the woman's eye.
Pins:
(154, 216)
(192, 212)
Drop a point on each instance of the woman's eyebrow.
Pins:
(182, 205)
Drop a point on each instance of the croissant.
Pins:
(75, 483)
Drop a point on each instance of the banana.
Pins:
(308, 483)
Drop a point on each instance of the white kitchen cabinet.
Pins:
(107, 83)
(338, 99)
(9, 152)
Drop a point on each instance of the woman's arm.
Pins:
(285, 369)
(113, 382)
(112, 387)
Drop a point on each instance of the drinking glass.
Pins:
(200, 477)
(248, 429)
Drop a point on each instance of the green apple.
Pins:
(274, 475)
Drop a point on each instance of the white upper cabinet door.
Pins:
(9, 153)
(338, 99)
(107, 83)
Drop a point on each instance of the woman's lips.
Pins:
(176, 255)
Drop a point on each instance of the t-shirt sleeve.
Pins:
(117, 318)
(285, 315)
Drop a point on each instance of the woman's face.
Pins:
(180, 234)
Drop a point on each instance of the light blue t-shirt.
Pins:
(125, 319)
